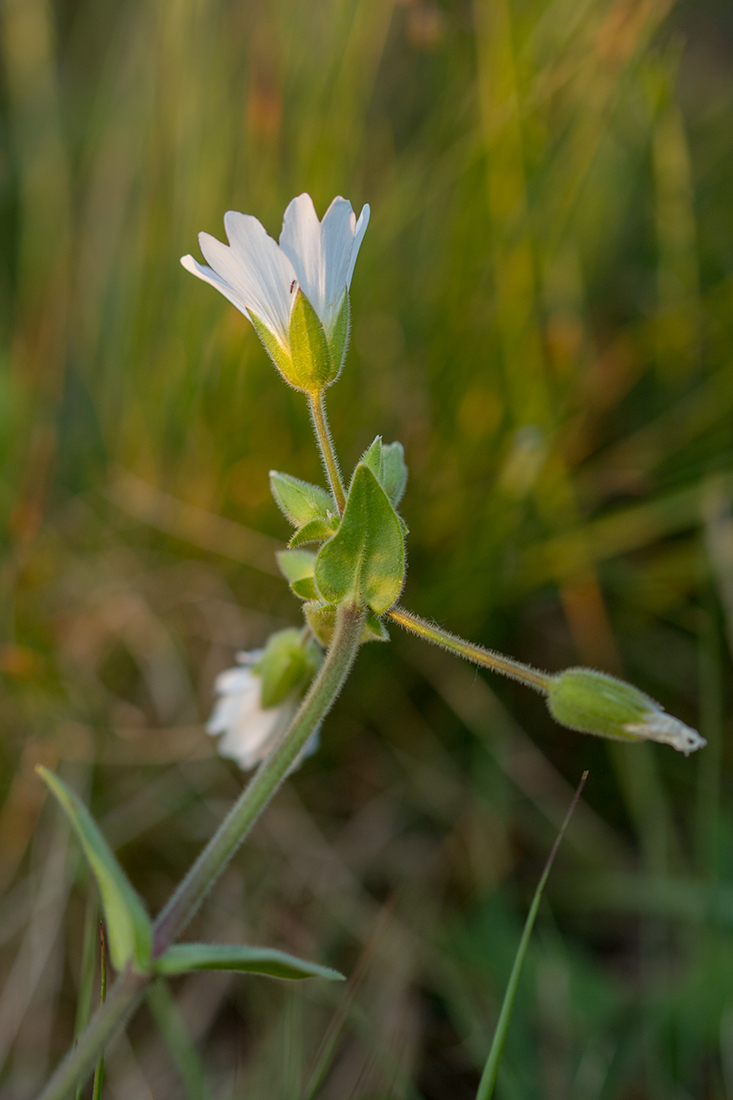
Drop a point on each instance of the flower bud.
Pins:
(287, 661)
(594, 702)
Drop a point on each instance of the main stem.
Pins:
(129, 989)
(488, 658)
(323, 435)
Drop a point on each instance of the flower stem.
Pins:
(488, 658)
(129, 989)
(323, 435)
(255, 797)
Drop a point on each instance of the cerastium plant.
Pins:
(346, 561)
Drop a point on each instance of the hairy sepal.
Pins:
(313, 368)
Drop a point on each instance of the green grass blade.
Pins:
(491, 1069)
(172, 1026)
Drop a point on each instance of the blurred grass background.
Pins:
(543, 314)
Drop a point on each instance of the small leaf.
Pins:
(299, 501)
(183, 957)
(317, 530)
(312, 367)
(296, 564)
(128, 924)
(364, 562)
(338, 338)
(394, 471)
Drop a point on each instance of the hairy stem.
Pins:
(487, 658)
(323, 435)
(130, 988)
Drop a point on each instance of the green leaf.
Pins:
(372, 458)
(312, 366)
(183, 957)
(299, 501)
(364, 562)
(387, 463)
(394, 471)
(338, 338)
(317, 530)
(128, 924)
(298, 566)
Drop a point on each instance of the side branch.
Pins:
(487, 658)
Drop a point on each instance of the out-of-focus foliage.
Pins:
(543, 314)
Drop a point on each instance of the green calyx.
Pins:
(594, 702)
(290, 660)
(314, 357)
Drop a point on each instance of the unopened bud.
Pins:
(594, 702)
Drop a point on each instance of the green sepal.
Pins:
(364, 562)
(129, 931)
(180, 958)
(286, 663)
(338, 337)
(317, 530)
(279, 355)
(321, 618)
(311, 357)
(394, 471)
(594, 702)
(299, 501)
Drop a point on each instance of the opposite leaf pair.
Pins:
(130, 930)
(362, 558)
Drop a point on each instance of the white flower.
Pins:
(249, 730)
(261, 277)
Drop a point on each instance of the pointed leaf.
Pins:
(394, 471)
(312, 367)
(364, 562)
(128, 924)
(299, 501)
(372, 458)
(317, 530)
(183, 957)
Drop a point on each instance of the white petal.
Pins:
(255, 269)
(208, 276)
(300, 240)
(337, 239)
(662, 727)
(360, 230)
